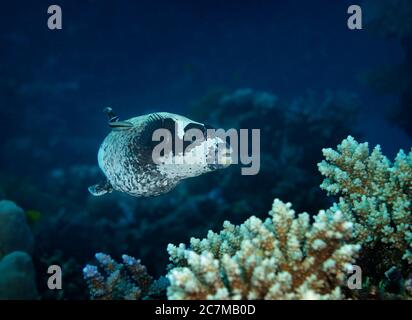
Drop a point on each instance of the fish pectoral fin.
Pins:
(100, 189)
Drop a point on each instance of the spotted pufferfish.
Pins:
(125, 155)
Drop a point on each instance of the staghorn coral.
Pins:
(285, 257)
(128, 280)
(376, 195)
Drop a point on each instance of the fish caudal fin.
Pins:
(100, 189)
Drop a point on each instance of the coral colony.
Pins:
(128, 280)
(284, 257)
(289, 255)
(16, 245)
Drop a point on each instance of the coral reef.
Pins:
(17, 277)
(127, 280)
(285, 257)
(16, 244)
(376, 196)
(74, 286)
(370, 224)
(288, 256)
(15, 234)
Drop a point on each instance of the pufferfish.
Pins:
(126, 154)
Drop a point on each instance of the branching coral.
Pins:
(128, 280)
(376, 196)
(289, 257)
(285, 257)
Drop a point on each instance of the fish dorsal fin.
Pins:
(114, 121)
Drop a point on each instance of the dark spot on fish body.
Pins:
(154, 123)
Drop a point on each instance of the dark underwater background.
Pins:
(291, 68)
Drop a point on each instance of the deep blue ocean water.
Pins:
(145, 56)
